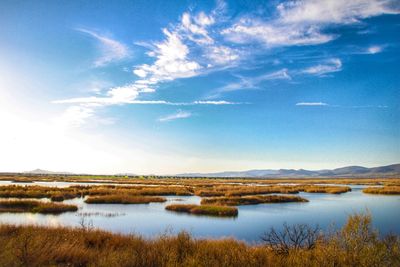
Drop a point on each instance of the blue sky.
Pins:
(167, 87)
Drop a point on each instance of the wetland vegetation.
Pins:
(210, 210)
(123, 199)
(386, 190)
(35, 206)
(251, 200)
(355, 244)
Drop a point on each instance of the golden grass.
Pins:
(35, 207)
(219, 211)
(123, 199)
(251, 200)
(35, 191)
(386, 190)
(356, 244)
(325, 189)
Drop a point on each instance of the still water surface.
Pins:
(152, 219)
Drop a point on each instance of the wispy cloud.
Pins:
(75, 116)
(331, 65)
(312, 104)
(250, 82)
(305, 22)
(322, 104)
(180, 114)
(200, 43)
(110, 49)
(375, 49)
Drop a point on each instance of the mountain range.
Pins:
(350, 171)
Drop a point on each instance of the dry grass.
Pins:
(35, 207)
(219, 211)
(386, 190)
(325, 189)
(356, 244)
(251, 200)
(35, 191)
(123, 199)
(242, 190)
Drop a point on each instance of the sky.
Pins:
(166, 87)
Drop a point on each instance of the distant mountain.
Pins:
(40, 171)
(350, 171)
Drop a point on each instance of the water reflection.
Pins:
(152, 219)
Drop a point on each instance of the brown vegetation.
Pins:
(219, 211)
(386, 190)
(251, 200)
(356, 244)
(36, 191)
(123, 199)
(35, 207)
(325, 189)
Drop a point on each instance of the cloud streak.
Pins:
(111, 50)
(251, 82)
(331, 65)
(312, 104)
(180, 114)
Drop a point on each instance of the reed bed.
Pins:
(386, 190)
(35, 191)
(251, 200)
(325, 189)
(209, 210)
(35, 207)
(123, 199)
(356, 244)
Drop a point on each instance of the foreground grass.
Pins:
(123, 199)
(386, 190)
(219, 211)
(356, 244)
(251, 200)
(35, 207)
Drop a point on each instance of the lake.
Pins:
(152, 219)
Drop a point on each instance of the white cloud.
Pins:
(311, 104)
(210, 102)
(304, 22)
(75, 116)
(111, 50)
(221, 55)
(171, 61)
(375, 49)
(331, 65)
(333, 11)
(275, 34)
(180, 114)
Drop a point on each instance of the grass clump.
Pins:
(35, 207)
(386, 190)
(123, 199)
(325, 189)
(251, 200)
(219, 211)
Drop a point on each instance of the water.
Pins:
(152, 219)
